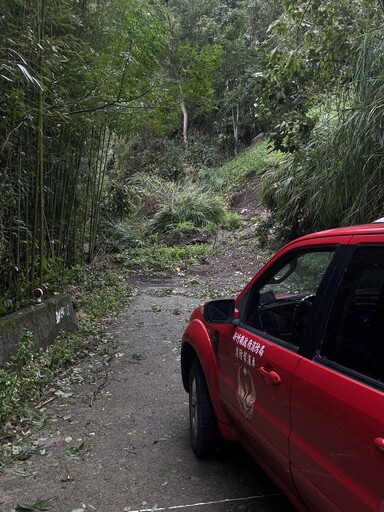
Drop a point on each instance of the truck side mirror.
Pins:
(221, 311)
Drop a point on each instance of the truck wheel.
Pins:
(202, 419)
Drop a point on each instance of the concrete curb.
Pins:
(45, 321)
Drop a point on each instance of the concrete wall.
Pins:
(44, 320)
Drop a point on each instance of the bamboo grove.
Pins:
(68, 69)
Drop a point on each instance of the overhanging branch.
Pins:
(107, 106)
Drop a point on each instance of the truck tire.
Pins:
(203, 427)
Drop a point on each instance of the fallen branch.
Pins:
(99, 388)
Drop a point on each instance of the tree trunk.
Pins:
(184, 111)
(235, 124)
(185, 124)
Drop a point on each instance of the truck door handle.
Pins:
(379, 442)
(271, 376)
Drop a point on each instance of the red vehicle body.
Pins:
(293, 369)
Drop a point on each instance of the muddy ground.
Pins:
(116, 436)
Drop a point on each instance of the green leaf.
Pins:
(35, 507)
(77, 451)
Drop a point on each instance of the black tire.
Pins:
(203, 427)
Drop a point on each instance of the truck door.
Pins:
(337, 439)
(258, 362)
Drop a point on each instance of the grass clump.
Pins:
(163, 258)
(189, 204)
(150, 192)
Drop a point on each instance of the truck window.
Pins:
(354, 336)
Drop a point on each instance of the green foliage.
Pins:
(123, 234)
(74, 77)
(99, 291)
(233, 221)
(240, 28)
(165, 158)
(203, 152)
(307, 56)
(194, 19)
(152, 189)
(198, 67)
(176, 212)
(151, 192)
(189, 203)
(196, 203)
(230, 177)
(158, 257)
(336, 179)
(199, 30)
(21, 380)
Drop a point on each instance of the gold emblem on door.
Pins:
(246, 394)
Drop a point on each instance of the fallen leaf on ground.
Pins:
(39, 506)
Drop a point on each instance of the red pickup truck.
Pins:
(293, 369)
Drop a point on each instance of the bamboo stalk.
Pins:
(40, 141)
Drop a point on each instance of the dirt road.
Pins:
(119, 440)
(117, 434)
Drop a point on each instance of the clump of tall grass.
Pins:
(337, 178)
(297, 191)
(150, 192)
(188, 203)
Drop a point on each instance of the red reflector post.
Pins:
(37, 294)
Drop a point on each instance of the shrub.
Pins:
(189, 204)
